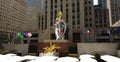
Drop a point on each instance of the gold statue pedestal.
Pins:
(63, 44)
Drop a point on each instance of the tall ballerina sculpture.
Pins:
(60, 27)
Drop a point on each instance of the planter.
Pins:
(118, 53)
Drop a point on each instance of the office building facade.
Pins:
(102, 21)
(114, 17)
(12, 16)
(78, 14)
(114, 11)
(32, 24)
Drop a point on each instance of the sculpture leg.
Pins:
(62, 36)
(57, 34)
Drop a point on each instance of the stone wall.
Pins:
(19, 48)
(103, 48)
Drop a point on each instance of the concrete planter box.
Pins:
(118, 53)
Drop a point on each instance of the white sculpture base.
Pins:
(49, 54)
(46, 54)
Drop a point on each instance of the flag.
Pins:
(26, 34)
(14, 35)
(88, 32)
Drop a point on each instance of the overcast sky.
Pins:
(35, 3)
(95, 2)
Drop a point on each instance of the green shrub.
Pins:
(73, 49)
(4, 51)
(97, 55)
(32, 49)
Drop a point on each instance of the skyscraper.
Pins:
(114, 11)
(101, 21)
(12, 15)
(32, 18)
(32, 24)
(114, 17)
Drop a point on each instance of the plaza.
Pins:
(59, 31)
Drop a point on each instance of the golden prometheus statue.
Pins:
(51, 50)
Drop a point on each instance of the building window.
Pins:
(90, 13)
(67, 11)
(46, 2)
(39, 22)
(85, 2)
(61, 7)
(34, 35)
(86, 25)
(66, 4)
(101, 25)
(34, 41)
(55, 14)
(73, 17)
(90, 25)
(86, 13)
(55, 1)
(96, 25)
(51, 4)
(76, 37)
(73, 22)
(78, 15)
(86, 19)
(51, 19)
(66, 17)
(53, 36)
(42, 22)
(55, 5)
(105, 25)
(89, 2)
(45, 6)
(78, 22)
(51, 14)
(51, 23)
(85, 8)
(73, 10)
(45, 21)
(78, 10)
(90, 19)
(61, 0)
(73, 4)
